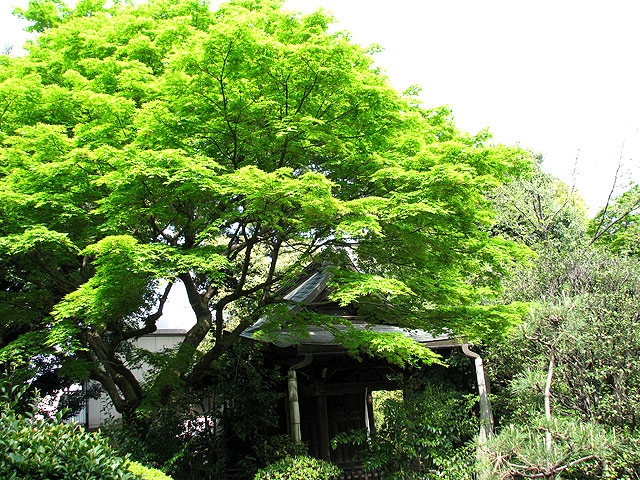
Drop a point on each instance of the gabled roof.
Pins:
(310, 287)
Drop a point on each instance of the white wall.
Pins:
(101, 409)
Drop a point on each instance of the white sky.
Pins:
(560, 77)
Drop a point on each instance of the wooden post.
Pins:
(294, 404)
(323, 426)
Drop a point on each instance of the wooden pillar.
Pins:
(294, 406)
(368, 405)
(294, 403)
(323, 426)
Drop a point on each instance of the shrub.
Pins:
(146, 473)
(279, 447)
(44, 448)
(423, 436)
(299, 468)
(578, 450)
(212, 431)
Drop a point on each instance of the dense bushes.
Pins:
(424, 434)
(566, 382)
(146, 473)
(215, 431)
(36, 448)
(299, 468)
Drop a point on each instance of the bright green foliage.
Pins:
(37, 449)
(299, 468)
(146, 473)
(395, 347)
(164, 142)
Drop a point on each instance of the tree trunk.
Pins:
(547, 415)
(547, 400)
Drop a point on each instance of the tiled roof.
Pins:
(306, 291)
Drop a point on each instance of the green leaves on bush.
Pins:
(299, 468)
(279, 447)
(147, 473)
(36, 448)
(422, 436)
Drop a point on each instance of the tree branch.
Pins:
(150, 321)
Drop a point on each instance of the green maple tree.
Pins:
(145, 145)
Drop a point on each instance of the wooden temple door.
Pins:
(325, 416)
(345, 414)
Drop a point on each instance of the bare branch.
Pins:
(597, 234)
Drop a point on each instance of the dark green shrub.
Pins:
(33, 448)
(425, 435)
(279, 447)
(299, 468)
(211, 432)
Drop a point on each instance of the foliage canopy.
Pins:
(164, 142)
